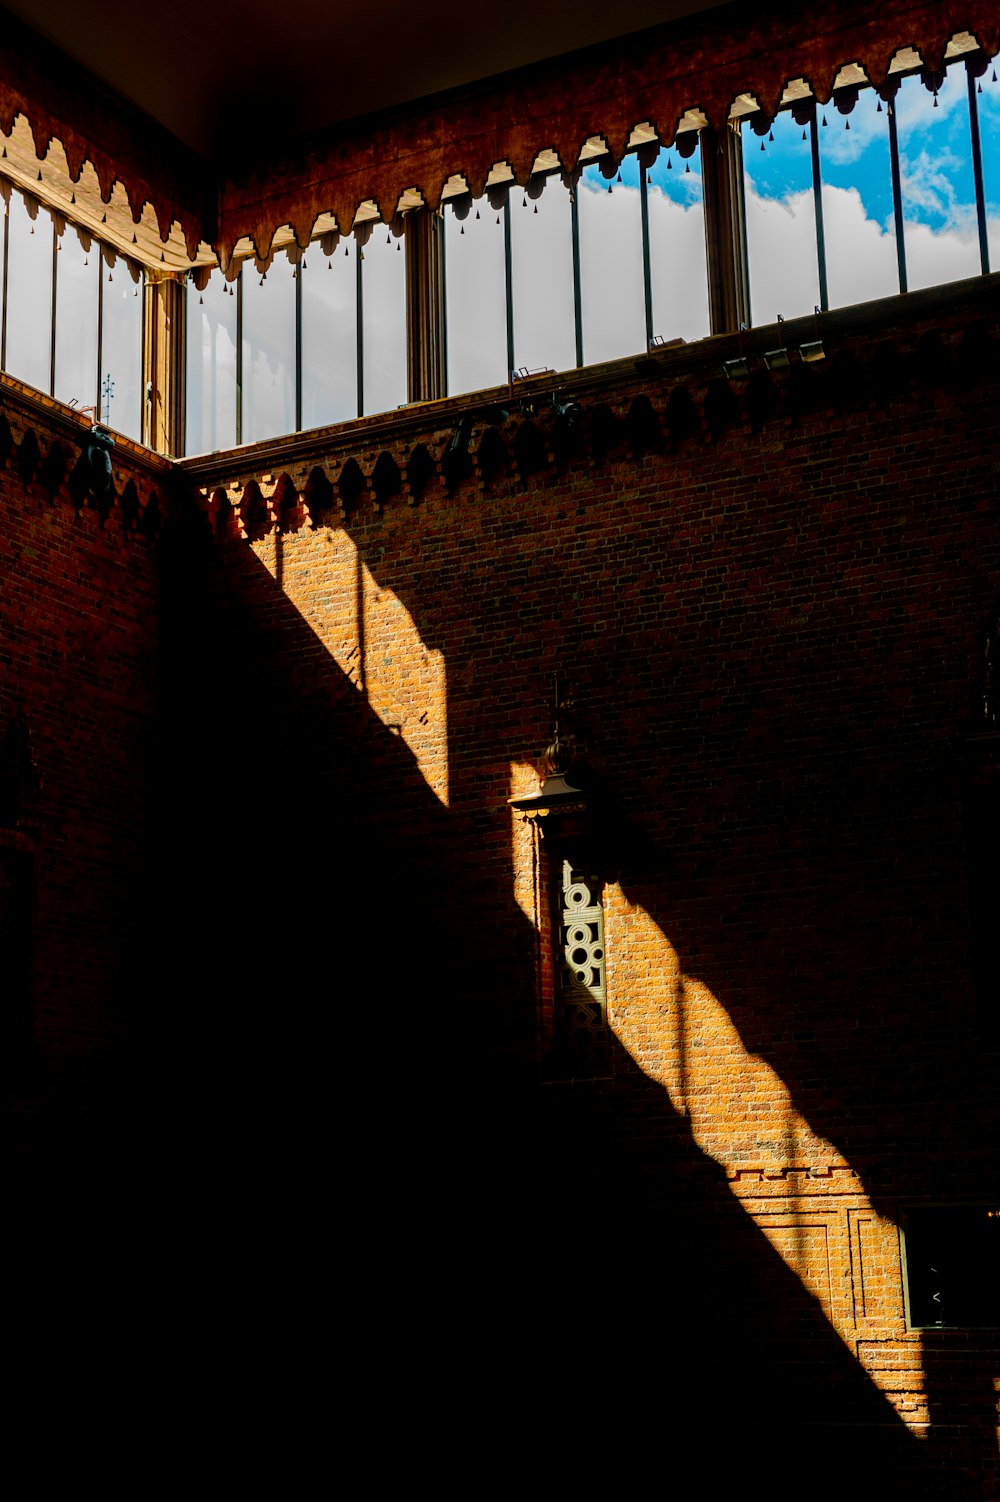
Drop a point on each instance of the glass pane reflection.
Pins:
(611, 285)
(542, 279)
(329, 336)
(29, 295)
(475, 299)
(383, 292)
(211, 367)
(77, 293)
(678, 266)
(121, 350)
(781, 221)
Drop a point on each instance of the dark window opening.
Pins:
(952, 1258)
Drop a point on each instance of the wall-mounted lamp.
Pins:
(459, 440)
(559, 807)
(777, 359)
(735, 370)
(571, 411)
(814, 351)
(556, 799)
(98, 450)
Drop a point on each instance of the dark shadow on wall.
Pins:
(839, 954)
(547, 1281)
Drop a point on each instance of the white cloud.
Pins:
(937, 256)
(842, 147)
(860, 257)
(542, 259)
(928, 184)
(781, 236)
(914, 104)
(860, 253)
(680, 281)
(613, 307)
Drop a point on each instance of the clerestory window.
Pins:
(576, 268)
(72, 316)
(876, 192)
(309, 340)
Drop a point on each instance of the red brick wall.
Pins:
(769, 627)
(279, 882)
(79, 631)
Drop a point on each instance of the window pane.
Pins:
(858, 220)
(329, 336)
(678, 267)
(542, 279)
(475, 299)
(989, 139)
(121, 351)
(383, 293)
(29, 295)
(268, 350)
(939, 197)
(77, 289)
(211, 367)
(611, 291)
(781, 221)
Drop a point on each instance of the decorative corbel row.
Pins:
(82, 473)
(490, 450)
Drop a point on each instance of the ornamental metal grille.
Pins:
(581, 1001)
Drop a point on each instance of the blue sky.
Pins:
(940, 226)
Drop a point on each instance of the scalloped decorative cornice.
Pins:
(381, 164)
(127, 156)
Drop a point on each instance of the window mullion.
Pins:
(426, 332)
(52, 325)
(6, 257)
(897, 194)
(577, 287)
(824, 300)
(298, 343)
(239, 356)
(726, 254)
(977, 172)
(441, 293)
(359, 256)
(647, 273)
(100, 327)
(509, 285)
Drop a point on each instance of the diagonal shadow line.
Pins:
(358, 1016)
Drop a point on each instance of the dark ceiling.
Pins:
(219, 76)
